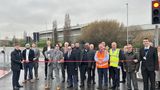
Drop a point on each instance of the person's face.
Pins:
(57, 47)
(33, 45)
(125, 48)
(103, 43)
(72, 45)
(159, 49)
(48, 43)
(114, 45)
(60, 44)
(17, 47)
(91, 47)
(66, 44)
(130, 48)
(101, 47)
(27, 46)
(69, 48)
(77, 44)
(146, 42)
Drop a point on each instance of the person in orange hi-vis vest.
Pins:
(101, 58)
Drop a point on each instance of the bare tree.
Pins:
(105, 30)
(67, 27)
(54, 32)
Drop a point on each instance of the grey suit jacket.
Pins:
(37, 53)
(55, 56)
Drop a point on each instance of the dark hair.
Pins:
(16, 44)
(146, 39)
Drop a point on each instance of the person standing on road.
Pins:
(91, 65)
(158, 72)
(102, 58)
(47, 48)
(131, 65)
(149, 57)
(55, 58)
(28, 56)
(36, 59)
(84, 64)
(16, 66)
(63, 65)
(115, 56)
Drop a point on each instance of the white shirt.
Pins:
(48, 48)
(27, 54)
(147, 47)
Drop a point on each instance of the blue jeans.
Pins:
(102, 76)
(28, 66)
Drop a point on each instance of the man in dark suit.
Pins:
(72, 68)
(84, 64)
(16, 66)
(28, 56)
(149, 58)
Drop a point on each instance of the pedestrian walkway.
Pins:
(6, 83)
(3, 73)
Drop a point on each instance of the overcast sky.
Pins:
(17, 16)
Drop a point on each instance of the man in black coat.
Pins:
(84, 64)
(149, 58)
(91, 65)
(16, 66)
(28, 56)
(72, 68)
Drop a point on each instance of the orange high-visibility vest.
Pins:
(100, 57)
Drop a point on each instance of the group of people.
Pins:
(27, 60)
(84, 62)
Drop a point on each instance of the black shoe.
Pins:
(94, 82)
(82, 85)
(113, 88)
(123, 81)
(52, 78)
(117, 88)
(63, 81)
(99, 87)
(16, 88)
(20, 86)
(70, 86)
(88, 85)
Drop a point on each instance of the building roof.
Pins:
(61, 29)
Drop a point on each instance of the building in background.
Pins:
(75, 32)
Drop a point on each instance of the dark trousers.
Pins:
(15, 78)
(28, 67)
(115, 75)
(35, 66)
(89, 75)
(46, 70)
(131, 77)
(83, 70)
(93, 74)
(72, 77)
(148, 75)
(123, 73)
(102, 76)
(63, 71)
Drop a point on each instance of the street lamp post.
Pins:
(127, 23)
